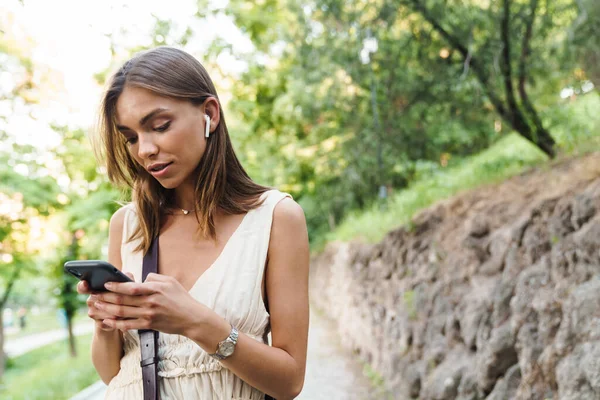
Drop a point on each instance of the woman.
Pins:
(233, 255)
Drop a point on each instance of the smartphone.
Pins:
(96, 273)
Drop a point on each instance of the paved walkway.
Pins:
(16, 347)
(331, 372)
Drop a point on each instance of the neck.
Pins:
(184, 197)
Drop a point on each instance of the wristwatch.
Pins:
(226, 347)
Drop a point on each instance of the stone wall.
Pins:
(493, 294)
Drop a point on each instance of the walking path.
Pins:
(16, 347)
(331, 372)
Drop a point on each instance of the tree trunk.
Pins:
(535, 133)
(68, 300)
(2, 353)
(522, 117)
(72, 344)
(3, 301)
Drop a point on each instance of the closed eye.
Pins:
(131, 140)
(163, 127)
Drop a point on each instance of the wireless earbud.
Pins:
(207, 125)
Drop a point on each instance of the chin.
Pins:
(169, 183)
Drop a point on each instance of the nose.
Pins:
(147, 148)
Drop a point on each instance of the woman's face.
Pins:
(164, 135)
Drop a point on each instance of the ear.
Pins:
(213, 110)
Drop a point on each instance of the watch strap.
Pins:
(232, 338)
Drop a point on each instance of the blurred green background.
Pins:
(364, 111)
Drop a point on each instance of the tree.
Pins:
(27, 192)
(582, 45)
(332, 122)
(519, 113)
(90, 202)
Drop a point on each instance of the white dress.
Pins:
(231, 287)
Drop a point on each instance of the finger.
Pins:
(97, 314)
(83, 287)
(121, 311)
(121, 299)
(93, 311)
(130, 275)
(130, 288)
(129, 324)
(104, 326)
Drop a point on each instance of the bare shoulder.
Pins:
(115, 235)
(289, 224)
(118, 219)
(288, 214)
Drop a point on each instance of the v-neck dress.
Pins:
(232, 288)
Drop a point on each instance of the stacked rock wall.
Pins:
(493, 294)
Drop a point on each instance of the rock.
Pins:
(495, 357)
(560, 223)
(583, 210)
(468, 390)
(529, 349)
(529, 283)
(573, 378)
(501, 296)
(479, 227)
(499, 244)
(435, 353)
(444, 380)
(474, 310)
(507, 386)
(413, 380)
(581, 320)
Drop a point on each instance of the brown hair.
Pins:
(222, 181)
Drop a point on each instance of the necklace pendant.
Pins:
(185, 212)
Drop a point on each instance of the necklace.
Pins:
(185, 212)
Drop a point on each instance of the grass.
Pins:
(575, 127)
(49, 372)
(42, 322)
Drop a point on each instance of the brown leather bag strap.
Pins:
(149, 337)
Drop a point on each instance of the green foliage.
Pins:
(49, 373)
(27, 192)
(90, 203)
(582, 45)
(509, 156)
(332, 126)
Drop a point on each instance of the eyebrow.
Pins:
(145, 118)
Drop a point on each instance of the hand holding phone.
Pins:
(96, 273)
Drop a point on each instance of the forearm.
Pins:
(269, 369)
(107, 350)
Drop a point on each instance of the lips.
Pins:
(157, 167)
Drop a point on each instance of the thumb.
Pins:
(130, 275)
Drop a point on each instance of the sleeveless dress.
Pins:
(231, 286)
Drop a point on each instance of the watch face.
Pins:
(227, 349)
